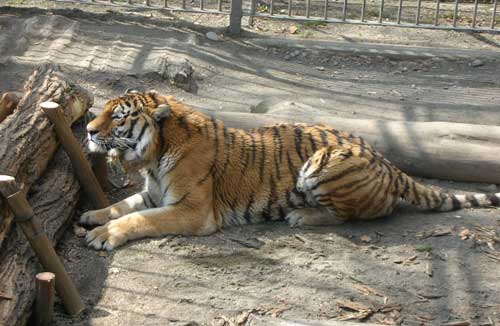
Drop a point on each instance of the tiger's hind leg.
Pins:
(313, 216)
(349, 182)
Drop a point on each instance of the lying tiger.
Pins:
(201, 176)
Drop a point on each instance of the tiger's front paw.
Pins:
(96, 217)
(107, 237)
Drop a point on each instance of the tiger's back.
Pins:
(257, 171)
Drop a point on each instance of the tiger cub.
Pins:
(201, 176)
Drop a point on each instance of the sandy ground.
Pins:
(412, 268)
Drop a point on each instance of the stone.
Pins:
(477, 63)
(212, 36)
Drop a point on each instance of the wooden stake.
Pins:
(100, 168)
(44, 303)
(80, 164)
(8, 103)
(23, 216)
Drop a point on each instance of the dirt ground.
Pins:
(413, 268)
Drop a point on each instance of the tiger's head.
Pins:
(127, 128)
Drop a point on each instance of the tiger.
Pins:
(201, 176)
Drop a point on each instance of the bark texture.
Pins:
(28, 151)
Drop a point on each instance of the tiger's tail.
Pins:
(427, 198)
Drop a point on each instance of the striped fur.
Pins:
(201, 176)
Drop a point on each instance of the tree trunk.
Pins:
(451, 151)
(28, 141)
(8, 103)
(28, 145)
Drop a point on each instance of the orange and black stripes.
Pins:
(266, 173)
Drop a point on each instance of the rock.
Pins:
(320, 68)
(287, 57)
(179, 71)
(477, 63)
(212, 36)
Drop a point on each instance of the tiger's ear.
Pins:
(131, 91)
(161, 112)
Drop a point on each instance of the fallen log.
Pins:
(28, 145)
(443, 150)
(256, 320)
(18, 264)
(28, 140)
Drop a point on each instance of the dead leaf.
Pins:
(365, 238)
(412, 258)
(428, 270)
(293, 29)
(361, 311)
(464, 234)
(390, 307)
(277, 312)
(102, 253)
(368, 290)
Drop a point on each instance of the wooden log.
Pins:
(28, 144)
(45, 295)
(8, 103)
(451, 151)
(28, 141)
(53, 197)
(23, 216)
(81, 166)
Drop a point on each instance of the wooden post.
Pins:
(8, 103)
(80, 164)
(44, 302)
(23, 216)
(235, 17)
(100, 168)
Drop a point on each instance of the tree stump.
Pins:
(28, 146)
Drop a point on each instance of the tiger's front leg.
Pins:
(190, 213)
(134, 203)
(153, 222)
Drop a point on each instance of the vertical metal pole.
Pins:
(201, 5)
(363, 9)
(235, 17)
(381, 13)
(344, 10)
(128, 1)
(308, 7)
(475, 14)
(183, 4)
(289, 7)
(165, 3)
(253, 5)
(436, 19)
(271, 9)
(417, 17)
(400, 7)
(326, 10)
(494, 16)
(455, 14)
(219, 5)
